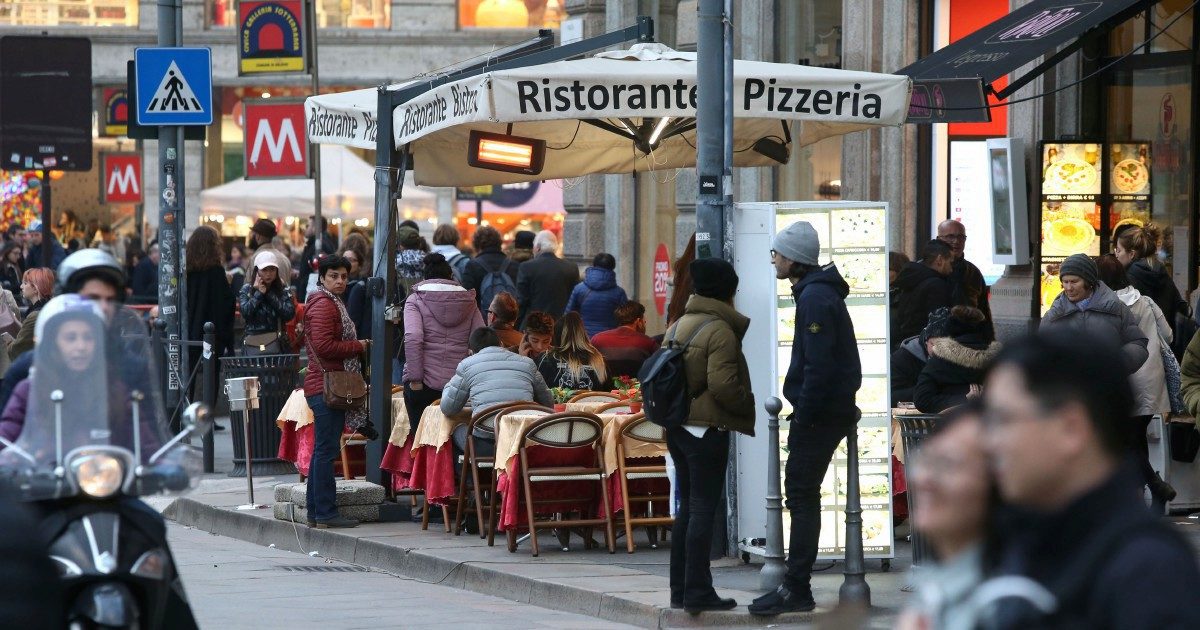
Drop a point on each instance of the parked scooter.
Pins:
(94, 440)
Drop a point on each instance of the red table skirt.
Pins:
(297, 447)
(512, 507)
(429, 470)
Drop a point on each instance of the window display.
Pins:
(510, 13)
(69, 12)
(330, 13)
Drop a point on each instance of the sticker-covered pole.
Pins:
(710, 124)
(170, 162)
(315, 148)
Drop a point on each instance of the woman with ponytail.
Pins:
(1137, 249)
(439, 316)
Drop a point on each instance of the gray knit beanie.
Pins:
(798, 242)
(1081, 266)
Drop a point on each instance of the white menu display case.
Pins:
(854, 236)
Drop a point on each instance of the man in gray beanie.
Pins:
(821, 384)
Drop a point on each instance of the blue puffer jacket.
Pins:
(825, 372)
(596, 298)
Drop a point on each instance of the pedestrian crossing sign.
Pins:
(174, 86)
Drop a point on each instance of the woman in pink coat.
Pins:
(439, 316)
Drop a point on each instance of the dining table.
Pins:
(508, 432)
(295, 423)
(423, 459)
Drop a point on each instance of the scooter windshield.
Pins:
(94, 389)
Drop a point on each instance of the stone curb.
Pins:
(475, 577)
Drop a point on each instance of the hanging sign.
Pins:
(271, 37)
(662, 276)
(121, 180)
(115, 112)
(275, 145)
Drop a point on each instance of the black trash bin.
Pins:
(278, 375)
(913, 430)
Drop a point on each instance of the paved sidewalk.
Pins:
(234, 584)
(618, 587)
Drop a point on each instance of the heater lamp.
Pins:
(502, 152)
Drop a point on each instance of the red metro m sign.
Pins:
(275, 145)
(121, 178)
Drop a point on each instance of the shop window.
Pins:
(1171, 16)
(68, 12)
(510, 13)
(330, 13)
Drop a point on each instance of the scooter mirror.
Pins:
(197, 420)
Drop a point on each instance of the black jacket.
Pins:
(954, 366)
(266, 312)
(1156, 284)
(545, 284)
(144, 282)
(907, 361)
(481, 265)
(1108, 561)
(922, 291)
(210, 299)
(825, 373)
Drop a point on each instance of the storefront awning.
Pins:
(950, 84)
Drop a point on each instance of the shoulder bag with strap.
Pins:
(345, 391)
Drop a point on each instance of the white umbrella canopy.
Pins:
(347, 192)
(625, 111)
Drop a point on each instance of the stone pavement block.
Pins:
(348, 493)
(283, 491)
(498, 583)
(372, 553)
(363, 513)
(624, 584)
(631, 611)
(561, 597)
(562, 569)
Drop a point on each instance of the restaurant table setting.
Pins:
(424, 459)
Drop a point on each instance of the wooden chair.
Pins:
(615, 407)
(481, 468)
(562, 431)
(348, 440)
(639, 429)
(594, 397)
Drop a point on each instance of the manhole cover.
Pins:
(327, 568)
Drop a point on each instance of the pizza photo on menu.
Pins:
(1071, 177)
(1130, 177)
(859, 228)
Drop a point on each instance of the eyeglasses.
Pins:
(772, 254)
(953, 237)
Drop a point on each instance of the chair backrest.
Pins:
(564, 430)
(615, 407)
(485, 421)
(640, 429)
(593, 397)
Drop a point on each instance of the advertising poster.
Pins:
(854, 236)
(115, 112)
(271, 37)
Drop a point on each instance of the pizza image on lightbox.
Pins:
(1130, 176)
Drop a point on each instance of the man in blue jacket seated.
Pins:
(490, 376)
(821, 383)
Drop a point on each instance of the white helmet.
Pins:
(87, 264)
(67, 303)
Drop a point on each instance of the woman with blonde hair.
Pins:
(573, 363)
(1137, 249)
(37, 285)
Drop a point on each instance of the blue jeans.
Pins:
(328, 425)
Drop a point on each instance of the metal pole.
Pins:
(47, 233)
(710, 117)
(170, 161)
(771, 575)
(209, 388)
(315, 147)
(390, 167)
(478, 213)
(249, 457)
(855, 590)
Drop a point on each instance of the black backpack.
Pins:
(663, 379)
(494, 283)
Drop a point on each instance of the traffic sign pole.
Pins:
(170, 182)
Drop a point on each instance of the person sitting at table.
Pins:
(539, 335)
(573, 363)
(490, 376)
(626, 347)
(502, 317)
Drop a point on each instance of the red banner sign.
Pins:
(662, 277)
(276, 145)
(121, 180)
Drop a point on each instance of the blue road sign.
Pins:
(174, 86)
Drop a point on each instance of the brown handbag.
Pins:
(344, 391)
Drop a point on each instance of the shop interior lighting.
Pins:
(508, 153)
(289, 221)
(472, 221)
(266, 95)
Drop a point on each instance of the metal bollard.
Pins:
(855, 589)
(209, 388)
(774, 569)
(243, 397)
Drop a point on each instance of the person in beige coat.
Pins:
(716, 369)
(1149, 382)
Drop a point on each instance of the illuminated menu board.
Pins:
(854, 236)
(1079, 180)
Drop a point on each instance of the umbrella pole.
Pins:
(315, 147)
